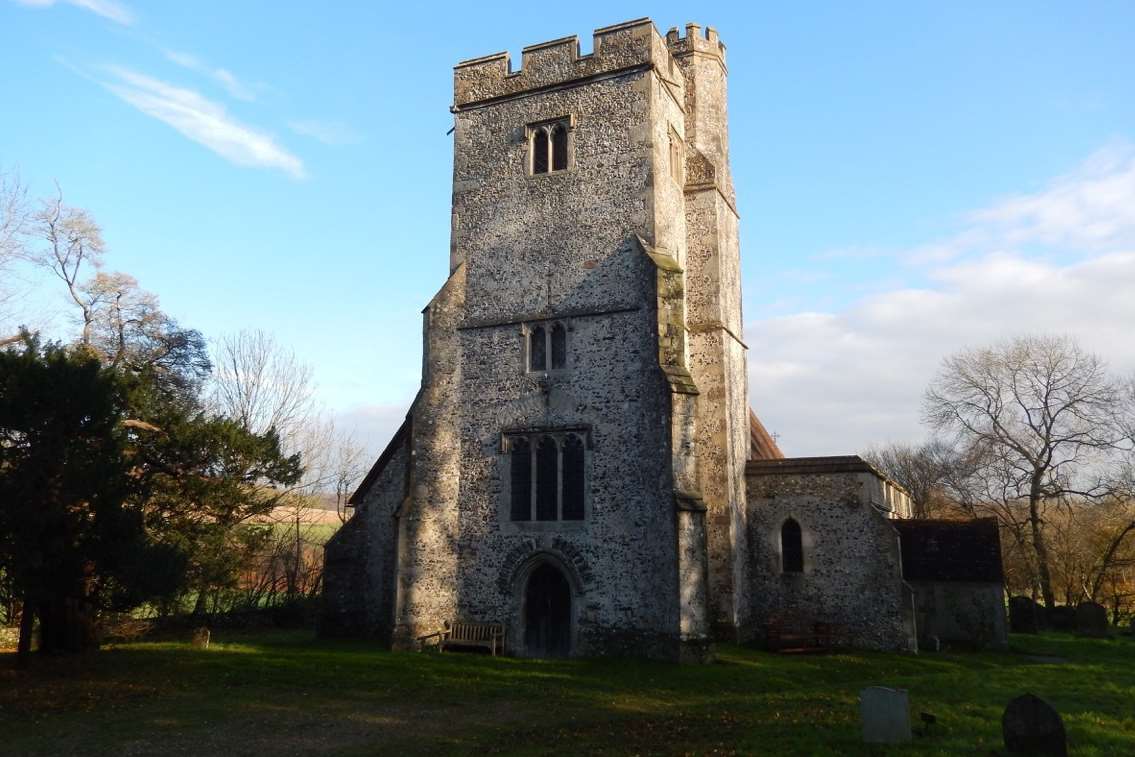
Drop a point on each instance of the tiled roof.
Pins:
(761, 444)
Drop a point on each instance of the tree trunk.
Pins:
(66, 626)
(27, 627)
(1040, 547)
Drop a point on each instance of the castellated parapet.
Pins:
(616, 49)
(696, 42)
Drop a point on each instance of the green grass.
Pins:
(285, 693)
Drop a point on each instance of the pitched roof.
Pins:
(761, 444)
(950, 550)
(399, 438)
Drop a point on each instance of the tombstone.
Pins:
(1023, 615)
(1091, 619)
(200, 638)
(1062, 618)
(1031, 726)
(885, 714)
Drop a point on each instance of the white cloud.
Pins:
(108, 9)
(328, 132)
(1061, 261)
(203, 121)
(1090, 209)
(222, 76)
(1087, 211)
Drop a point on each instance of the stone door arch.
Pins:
(547, 612)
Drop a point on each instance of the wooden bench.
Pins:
(488, 636)
(797, 634)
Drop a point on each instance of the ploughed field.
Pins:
(278, 693)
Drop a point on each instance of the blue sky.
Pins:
(912, 178)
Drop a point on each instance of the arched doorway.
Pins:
(547, 613)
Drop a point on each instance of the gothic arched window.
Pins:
(547, 485)
(537, 350)
(559, 347)
(540, 151)
(548, 145)
(791, 547)
(559, 147)
(573, 478)
(521, 479)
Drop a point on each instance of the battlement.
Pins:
(695, 42)
(616, 48)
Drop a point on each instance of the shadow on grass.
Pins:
(257, 692)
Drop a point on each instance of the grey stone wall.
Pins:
(717, 359)
(852, 562)
(961, 612)
(345, 596)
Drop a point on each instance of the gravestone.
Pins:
(200, 638)
(1031, 726)
(1062, 618)
(1024, 616)
(886, 715)
(1091, 619)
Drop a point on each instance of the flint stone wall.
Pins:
(852, 561)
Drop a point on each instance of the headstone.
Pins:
(886, 715)
(1023, 615)
(1031, 726)
(1091, 619)
(1062, 618)
(200, 638)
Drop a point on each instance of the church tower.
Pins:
(717, 350)
(573, 465)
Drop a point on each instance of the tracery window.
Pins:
(791, 547)
(547, 347)
(547, 476)
(548, 146)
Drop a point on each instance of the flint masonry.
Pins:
(577, 460)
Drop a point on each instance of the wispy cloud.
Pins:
(108, 9)
(327, 132)
(1085, 211)
(201, 120)
(222, 76)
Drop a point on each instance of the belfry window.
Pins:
(538, 349)
(791, 547)
(547, 347)
(540, 151)
(559, 347)
(547, 476)
(549, 148)
(559, 147)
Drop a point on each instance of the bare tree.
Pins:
(66, 240)
(13, 215)
(347, 469)
(931, 473)
(263, 385)
(1043, 415)
(13, 222)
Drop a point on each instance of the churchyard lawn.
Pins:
(277, 693)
